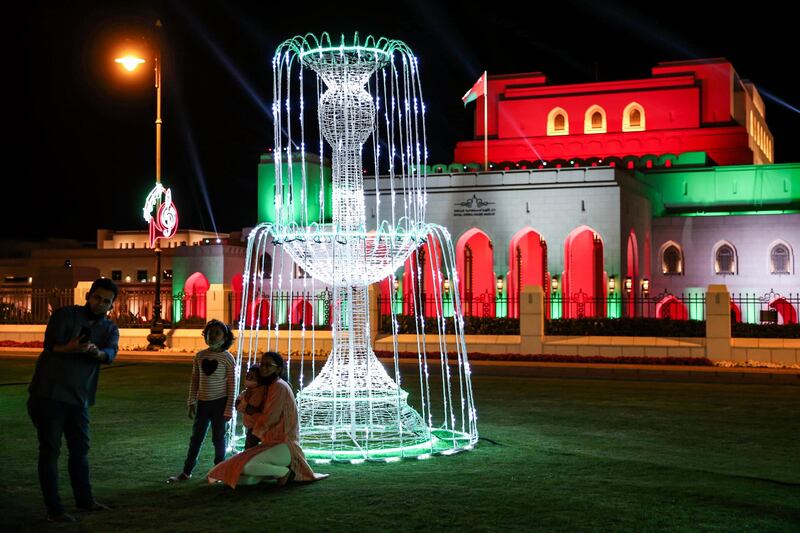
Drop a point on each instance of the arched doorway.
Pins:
(236, 291)
(632, 271)
(527, 257)
(476, 277)
(583, 278)
(259, 313)
(195, 289)
(421, 275)
(385, 292)
(736, 313)
(787, 314)
(302, 312)
(671, 308)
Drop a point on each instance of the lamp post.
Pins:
(164, 223)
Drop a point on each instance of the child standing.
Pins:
(210, 395)
(250, 403)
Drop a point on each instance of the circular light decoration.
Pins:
(165, 222)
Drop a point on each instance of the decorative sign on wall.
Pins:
(474, 207)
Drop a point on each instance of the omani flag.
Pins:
(479, 89)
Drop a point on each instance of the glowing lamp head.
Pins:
(554, 284)
(129, 62)
(500, 284)
(446, 285)
(628, 284)
(645, 285)
(611, 284)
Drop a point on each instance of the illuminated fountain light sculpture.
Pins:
(369, 102)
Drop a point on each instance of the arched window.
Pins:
(633, 118)
(672, 260)
(595, 120)
(264, 266)
(725, 260)
(779, 259)
(557, 122)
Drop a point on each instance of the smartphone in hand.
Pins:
(85, 334)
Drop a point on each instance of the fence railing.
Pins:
(769, 308)
(134, 305)
(665, 305)
(26, 305)
(579, 305)
(284, 308)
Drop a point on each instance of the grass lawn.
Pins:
(569, 455)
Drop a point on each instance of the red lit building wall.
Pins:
(688, 106)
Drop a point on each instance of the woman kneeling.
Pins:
(279, 455)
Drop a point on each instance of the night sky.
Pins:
(83, 148)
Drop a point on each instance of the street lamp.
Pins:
(611, 284)
(554, 283)
(159, 211)
(500, 285)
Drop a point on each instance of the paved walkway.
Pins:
(705, 374)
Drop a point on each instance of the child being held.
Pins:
(250, 402)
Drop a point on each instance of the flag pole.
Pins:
(485, 124)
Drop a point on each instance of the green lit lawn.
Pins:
(573, 454)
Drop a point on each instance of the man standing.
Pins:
(77, 340)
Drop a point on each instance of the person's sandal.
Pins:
(288, 478)
(183, 476)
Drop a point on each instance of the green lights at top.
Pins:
(310, 45)
(325, 49)
(737, 213)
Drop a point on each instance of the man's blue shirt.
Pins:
(72, 377)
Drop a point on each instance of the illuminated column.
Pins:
(718, 323)
(218, 302)
(531, 320)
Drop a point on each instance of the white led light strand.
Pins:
(352, 410)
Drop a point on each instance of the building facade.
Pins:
(604, 194)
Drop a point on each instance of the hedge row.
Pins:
(769, 331)
(554, 358)
(472, 325)
(632, 327)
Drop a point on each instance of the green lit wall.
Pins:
(266, 189)
(730, 189)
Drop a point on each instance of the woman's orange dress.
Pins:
(277, 424)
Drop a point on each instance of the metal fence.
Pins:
(134, 306)
(769, 308)
(483, 305)
(26, 305)
(284, 308)
(665, 305)
(579, 305)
